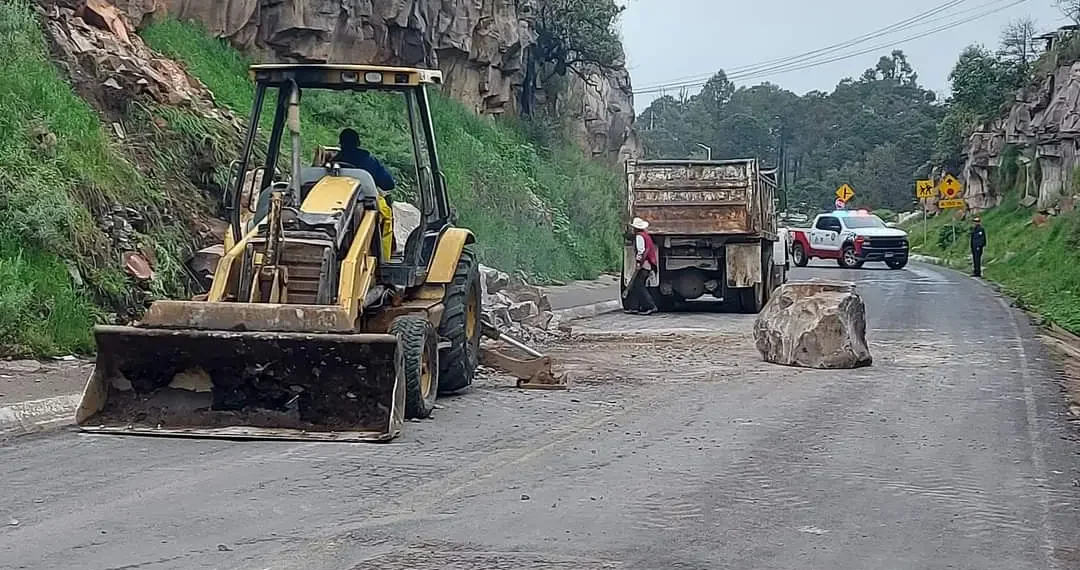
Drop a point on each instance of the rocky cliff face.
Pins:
(478, 44)
(1044, 124)
(601, 112)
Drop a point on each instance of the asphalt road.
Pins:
(677, 448)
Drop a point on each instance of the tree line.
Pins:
(878, 132)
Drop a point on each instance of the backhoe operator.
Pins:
(352, 155)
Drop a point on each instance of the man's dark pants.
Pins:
(639, 292)
(976, 261)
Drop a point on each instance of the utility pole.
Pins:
(707, 149)
(782, 165)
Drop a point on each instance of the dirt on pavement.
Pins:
(23, 380)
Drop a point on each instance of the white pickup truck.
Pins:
(851, 238)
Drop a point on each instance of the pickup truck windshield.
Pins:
(857, 222)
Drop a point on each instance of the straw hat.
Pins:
(639, 224)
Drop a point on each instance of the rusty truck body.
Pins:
(714, 223)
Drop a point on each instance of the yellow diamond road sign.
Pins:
(845, 193)
(925, 189)
(949, 187)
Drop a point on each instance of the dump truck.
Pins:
(714, 223)
(317, 325)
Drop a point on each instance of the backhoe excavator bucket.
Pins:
(244, 385)
(535, 374)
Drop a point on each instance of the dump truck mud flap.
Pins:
(743, 264)
(245, 385)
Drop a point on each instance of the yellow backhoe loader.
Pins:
(314, 326)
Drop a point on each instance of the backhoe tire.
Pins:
(420, 355)
(461, 326)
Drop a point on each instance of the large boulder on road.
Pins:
(814, 324)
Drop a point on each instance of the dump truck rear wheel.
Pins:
(420, 352)
(461, 325)
(751, 299)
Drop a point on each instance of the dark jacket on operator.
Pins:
(361, 158)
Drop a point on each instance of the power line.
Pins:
(886, 30)
(745, 70)
(791, 65)
(794, 65)
(785, 68)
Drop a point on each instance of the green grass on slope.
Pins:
(57, 165)
(1039, 266)
(494, 172)
(40, 310)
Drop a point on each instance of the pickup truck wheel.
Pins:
(848, 259)
(798, 255)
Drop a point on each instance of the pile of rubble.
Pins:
(96, 45)
(517, 308)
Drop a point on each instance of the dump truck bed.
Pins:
(691, 197)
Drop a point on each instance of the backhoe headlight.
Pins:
(373, 77)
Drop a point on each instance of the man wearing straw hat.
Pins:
(647, 258)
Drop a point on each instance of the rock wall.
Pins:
(1044, 123)
(601, 109)
(478, 44)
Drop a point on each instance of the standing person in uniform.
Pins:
(978, 242)
(647, 258)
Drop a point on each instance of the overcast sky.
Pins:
(683, 40)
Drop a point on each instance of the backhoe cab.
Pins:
(317, 325)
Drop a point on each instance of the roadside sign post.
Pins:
(839, 204)
(950, 189)
(845, 193)
(924, 190)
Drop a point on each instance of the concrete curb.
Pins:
(588, 311)
(928, 259)
(36, 415)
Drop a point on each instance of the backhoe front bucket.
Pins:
(245, 385)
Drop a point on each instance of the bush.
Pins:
(948, 235)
